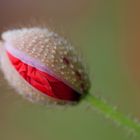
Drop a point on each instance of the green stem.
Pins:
(113, 114)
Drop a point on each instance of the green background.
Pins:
(99, 29)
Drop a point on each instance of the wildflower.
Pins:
(43, 66)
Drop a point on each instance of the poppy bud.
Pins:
(43, 66)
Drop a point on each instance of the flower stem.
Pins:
(113, 114)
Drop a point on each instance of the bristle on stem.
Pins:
(112, 113)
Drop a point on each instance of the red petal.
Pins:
(44, 82)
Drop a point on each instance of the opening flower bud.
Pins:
(43, 66)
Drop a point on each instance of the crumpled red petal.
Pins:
(44, 82)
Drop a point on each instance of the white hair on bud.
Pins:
(53, 51)
(22, 87)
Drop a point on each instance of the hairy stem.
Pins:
(113, 114)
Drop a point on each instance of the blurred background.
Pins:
(107, 33)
